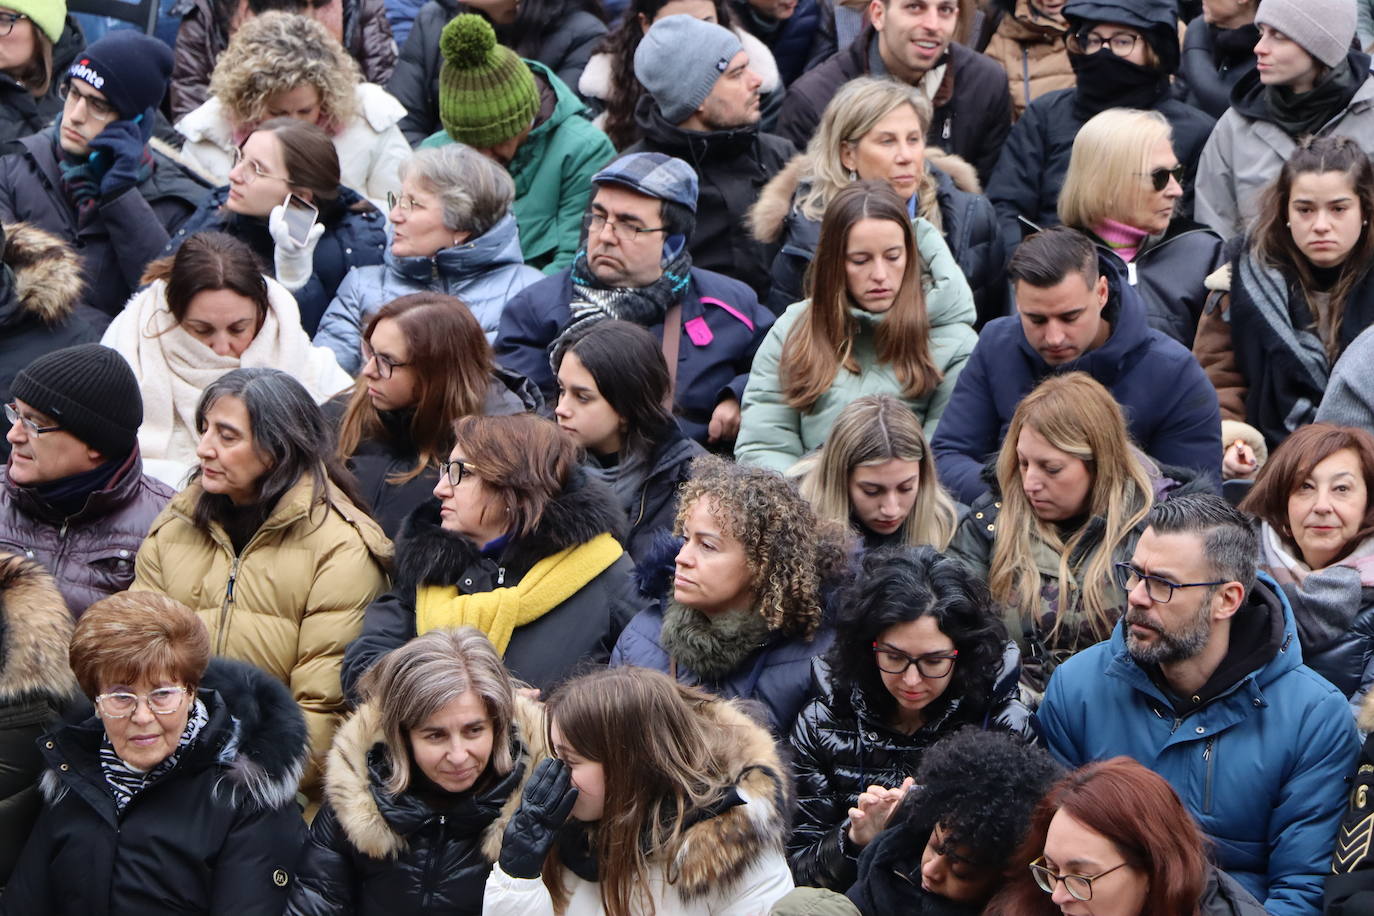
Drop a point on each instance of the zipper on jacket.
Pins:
(500, 575)
(1025, 72)
(223, 635)
(1209, 755)
(431, 864)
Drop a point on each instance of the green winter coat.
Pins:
(553, 172)
(775, 435)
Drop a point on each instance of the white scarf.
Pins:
(173, 368)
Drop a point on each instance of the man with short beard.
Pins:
(1203, 682)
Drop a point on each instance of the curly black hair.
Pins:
(981, 788)
(896, 586)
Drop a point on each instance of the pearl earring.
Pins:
(853, 175)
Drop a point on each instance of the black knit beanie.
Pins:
(130, 68)
(90, 391)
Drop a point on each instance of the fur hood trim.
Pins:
(716, 852)
(48, 279)
(959, 169)
(348, 786)
(1365, 719)
(595, 81)
(37, 629)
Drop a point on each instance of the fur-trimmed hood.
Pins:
(428, 554)
(1365, 719)
(48, 278)
(353, 790)
(37, 630)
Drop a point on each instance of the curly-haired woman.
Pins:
(919, 651)
(284, 65)
(746, 612)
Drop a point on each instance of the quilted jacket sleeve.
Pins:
(818, 849)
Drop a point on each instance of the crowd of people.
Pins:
(685, 457)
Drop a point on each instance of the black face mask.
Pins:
(1107, 81)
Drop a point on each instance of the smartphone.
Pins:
(300, 217)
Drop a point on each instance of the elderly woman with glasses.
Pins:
(522, 544)
(452, 232)
(178, 795)
(919, 652)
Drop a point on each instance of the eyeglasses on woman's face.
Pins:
(895, 661)
(1080, 887)
(253, 170)
(1120, 43)
(385, 364)
(120, 704)
(456, 469)
(8, 21)
(1159, 178)
(96, 108)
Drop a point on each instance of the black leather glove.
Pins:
(544, 808)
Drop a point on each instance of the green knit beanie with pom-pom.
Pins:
(486, 92)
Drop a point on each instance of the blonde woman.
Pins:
(284, 65)
(876, 472)
(1122, 189)
(1068, 502)
(875, 130)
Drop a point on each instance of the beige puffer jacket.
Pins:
(1031, 49)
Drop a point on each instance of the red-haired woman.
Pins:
(1113, 839)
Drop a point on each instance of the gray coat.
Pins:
(1349, 397)
(484, 273)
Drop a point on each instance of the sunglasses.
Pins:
(1159, 178)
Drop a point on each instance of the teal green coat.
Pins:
(775, 435)
(553, 172)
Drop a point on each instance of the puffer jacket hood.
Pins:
(497, 247)
(1156, 19)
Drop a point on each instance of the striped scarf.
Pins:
(125, 781)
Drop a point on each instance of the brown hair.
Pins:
(35, 74)
(132, 635)
(822, 340)
(452, 363)
(1289, 466)
(310, 158)
(524, 459)
(209, 261)
(1139, 812)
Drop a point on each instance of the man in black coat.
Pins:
(702, 106)
(913, 41)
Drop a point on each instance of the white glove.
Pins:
(295, 262)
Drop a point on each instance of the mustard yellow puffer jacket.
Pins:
(290, 603)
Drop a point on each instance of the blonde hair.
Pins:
(276, 52)
(1075, 414)
(855, 110)
(1109, 165)
(873, 430)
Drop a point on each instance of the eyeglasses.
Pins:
(1121, 44)
(99, 109)
(163, 701)
(1159, 178)
(456, 470)
(1159, 590)
(895, 661)
(405, 202)
(593, 223)
(1080, 887)
(254, 171)
(7, 21)
(385, 364)
(33, 429)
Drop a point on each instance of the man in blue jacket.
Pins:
(1203, 682)
(1076, 313)
(634, 265)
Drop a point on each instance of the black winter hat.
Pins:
(90, 391)
(130, 68)
(1157, 20)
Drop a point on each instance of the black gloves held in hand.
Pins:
(544, 808)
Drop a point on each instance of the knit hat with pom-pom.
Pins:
(486, 92)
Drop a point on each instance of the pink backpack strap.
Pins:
(709, 300)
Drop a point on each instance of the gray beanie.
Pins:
(1322, 28)
(679, 60)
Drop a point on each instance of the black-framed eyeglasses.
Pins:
(1121, 44)
(33, 429)
(1159, 178)
(120, 705)
(254, 171)
(456, 469)
(7, 21)
(385, 364)
(1080, 887)
(895, 661)
(593, 223)
(405, 202)
(1159, 590)
(99, 109)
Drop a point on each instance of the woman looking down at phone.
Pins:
(682, 817)
(285, 200)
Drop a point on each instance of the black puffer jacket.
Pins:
(220, 833)
(581, 630)
(21, 114)
(840, 749)
(372, 853)
(1214, 60)
(651, 504)
(732, 168)
(1170, 271)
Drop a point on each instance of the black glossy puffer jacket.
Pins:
(1170, 271)
(837, 754)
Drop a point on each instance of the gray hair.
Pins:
(1229, 541)
(410, 684)
(474, 192)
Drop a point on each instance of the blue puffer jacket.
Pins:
(1263, 766)
(1170, 406)
(484, 272)
(352, 238)
(722, 325)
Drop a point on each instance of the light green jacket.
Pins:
(775, 435)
